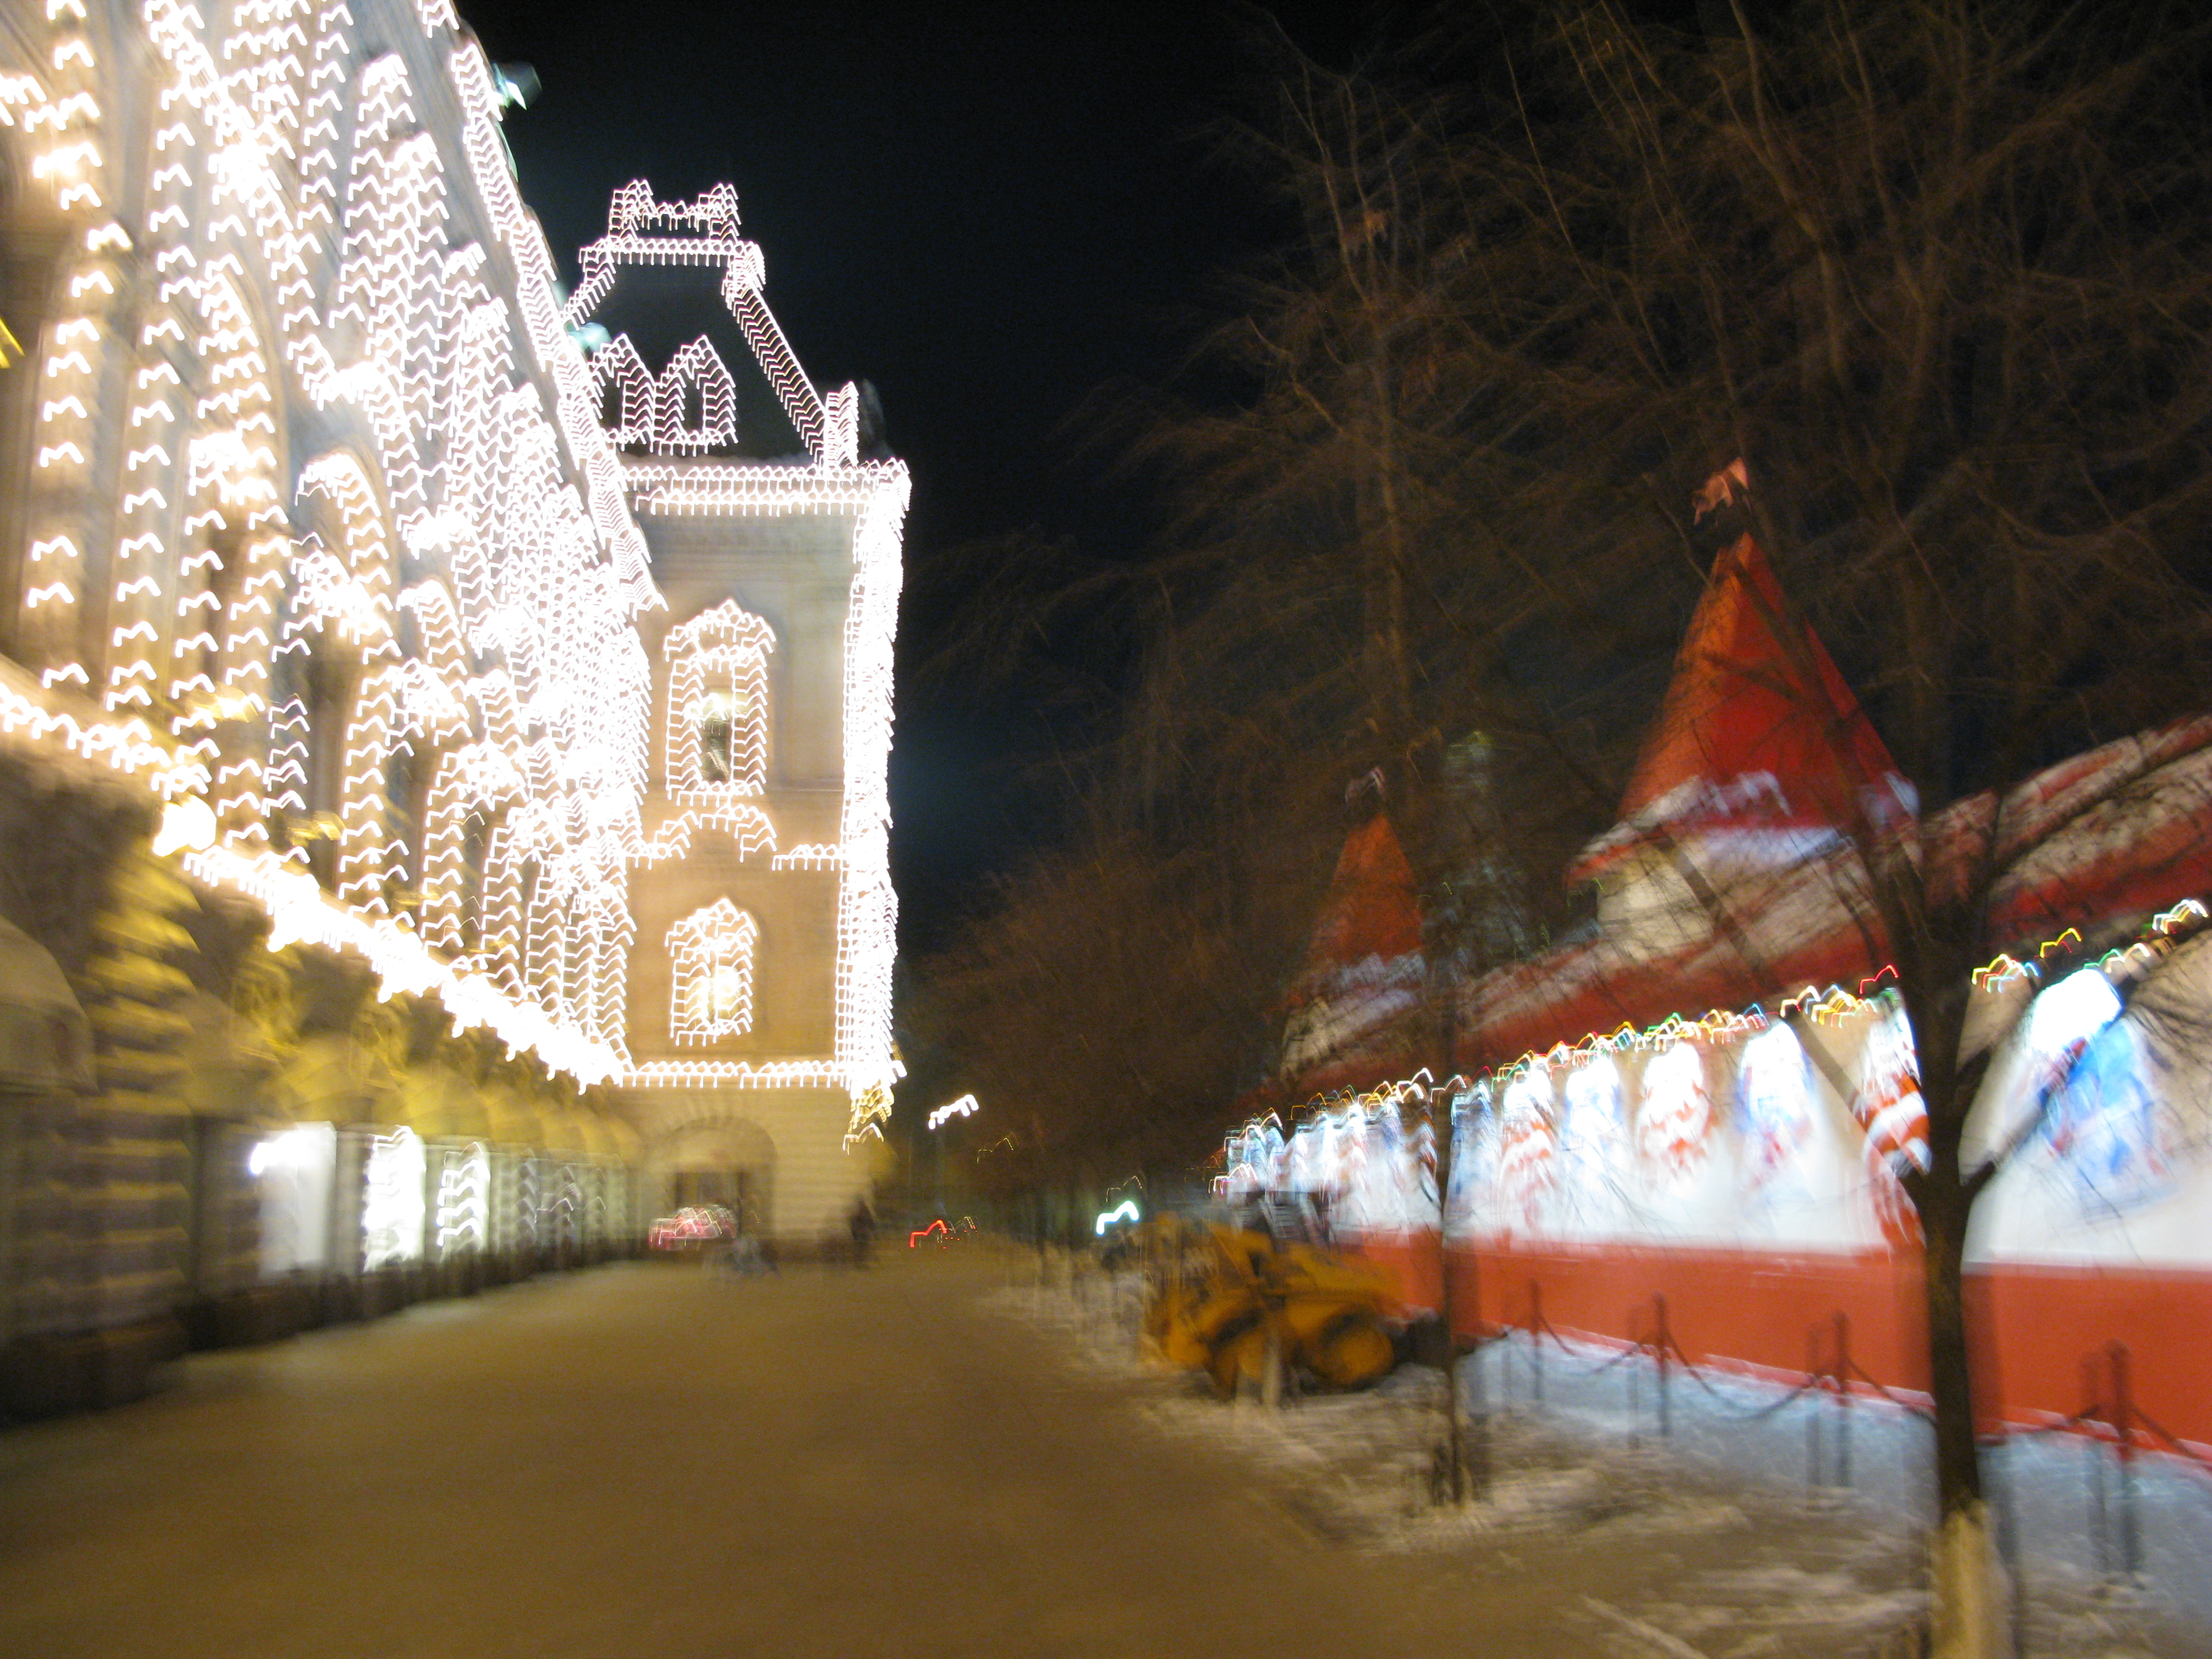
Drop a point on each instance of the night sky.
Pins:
(989, 214)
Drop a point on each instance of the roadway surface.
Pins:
(647, 1460)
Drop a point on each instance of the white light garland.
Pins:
(726, 649)
(653, 408)
(301, 912)
(711, 970)
(737, 1074)
(964, 1107)
(723, 650)
(414, 637)
(743, 822)
(463, 1215)
(285, 165)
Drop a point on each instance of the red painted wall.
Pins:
(2038, 1326)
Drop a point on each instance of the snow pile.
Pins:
(1362, 1469)
(1707, 1545)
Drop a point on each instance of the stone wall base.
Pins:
(49, 1375)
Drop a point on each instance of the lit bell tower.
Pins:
(758, 1024)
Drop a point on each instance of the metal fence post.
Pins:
(2123, 1425)
(2098, 1523)
(1844, 1398)
(1635, 1380)
(1813, 1417)
(1536, 1338)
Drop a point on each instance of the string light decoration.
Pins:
(662, 488)
(391, 1212)
(463, 1216)
(745, 822)
(218, 618)
(711, 959)
(325, 534)
(963, 1106)
(724, 652)
(1549, 1148)
(735, 1074)
(872, 1109)
(643, 231)
(653, 409)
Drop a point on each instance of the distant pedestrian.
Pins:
(862, 1224)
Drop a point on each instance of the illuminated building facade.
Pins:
(327, 625)
(759, 1013)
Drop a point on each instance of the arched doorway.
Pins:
(731, 1163)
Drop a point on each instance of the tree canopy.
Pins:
(1937, 273)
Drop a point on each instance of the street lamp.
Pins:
(963, 1106)
(945, 1114)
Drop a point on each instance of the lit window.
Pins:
(392, 1208)
(1593, 1144)
(717, 996)
(723, 715)
(1474, 1158)
(1527, 1148)
(1774, 1112)
(1677, 1115)
(711, 954)
(2100, 1126)
(718, 703)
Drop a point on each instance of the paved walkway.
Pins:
(646, 1460)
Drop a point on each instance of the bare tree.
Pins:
(1939, 273)
(1340, 588)
(1105, 1008)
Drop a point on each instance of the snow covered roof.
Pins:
(1370, 910)
(1751, 772)
(1759, 728)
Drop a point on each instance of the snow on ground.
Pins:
(1754, 1559)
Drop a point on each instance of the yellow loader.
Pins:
(1221, 1295)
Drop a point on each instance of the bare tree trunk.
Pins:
(1442, 1000)
(1466, 1444)
(1950, 1381)
(1967, 1580)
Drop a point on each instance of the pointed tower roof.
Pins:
(697, 403)
(1370, 909)
(1751, 733)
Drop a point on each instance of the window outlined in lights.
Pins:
(712, 953)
